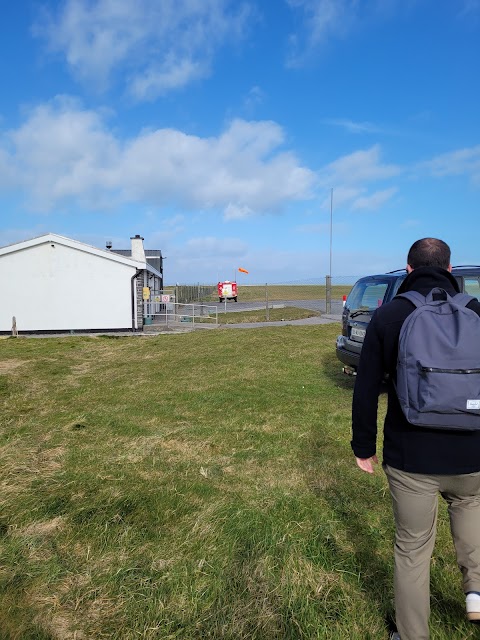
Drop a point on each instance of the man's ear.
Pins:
(449, 268)
(409, 269)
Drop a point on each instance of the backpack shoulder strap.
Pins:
(414, 297)
(462, 299)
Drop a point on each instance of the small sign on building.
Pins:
(146, 293)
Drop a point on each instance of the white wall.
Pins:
(60, 288)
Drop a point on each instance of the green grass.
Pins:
(262, 315)
(194, 485)
(287, 292)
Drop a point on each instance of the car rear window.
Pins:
(367, 295)
(472, 286)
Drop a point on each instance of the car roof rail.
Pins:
(466, 266)
(396, 270)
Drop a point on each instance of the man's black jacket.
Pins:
(405, 447)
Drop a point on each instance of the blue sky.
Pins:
(217, 129)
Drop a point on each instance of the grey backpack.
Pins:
(438, 368)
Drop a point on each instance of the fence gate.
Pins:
(160, 308)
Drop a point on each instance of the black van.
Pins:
(372, 291)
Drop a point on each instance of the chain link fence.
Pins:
(188, 293)
(323, 294)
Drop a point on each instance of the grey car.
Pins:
(371, 292)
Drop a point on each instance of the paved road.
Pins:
(314, 305)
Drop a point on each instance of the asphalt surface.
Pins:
(315, 305)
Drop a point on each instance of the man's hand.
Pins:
(366, 464)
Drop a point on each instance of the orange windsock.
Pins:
(242, 270)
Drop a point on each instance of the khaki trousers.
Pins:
(415, 506)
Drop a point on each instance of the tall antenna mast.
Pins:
(331, 232)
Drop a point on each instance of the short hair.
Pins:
(429, 252)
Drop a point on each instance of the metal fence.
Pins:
(176, 313)
(328, 292)
(187, 293)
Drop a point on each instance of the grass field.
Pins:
(286, 292)
(194, 485)
(261, 315)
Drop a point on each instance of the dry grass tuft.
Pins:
(7, 366)
(42, 528)
(61, 627)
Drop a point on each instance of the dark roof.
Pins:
(152, 256)
(154, 253)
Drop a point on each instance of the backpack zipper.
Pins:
(435, 370)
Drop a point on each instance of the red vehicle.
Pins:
(227, 291)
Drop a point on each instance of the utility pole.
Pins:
(331, 230)
(328, 288)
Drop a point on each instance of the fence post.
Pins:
(328, 294)
(267, 310)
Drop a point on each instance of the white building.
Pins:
(52, 283)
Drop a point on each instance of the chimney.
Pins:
(138, 252)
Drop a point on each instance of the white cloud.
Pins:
(235, 212)
(255, 97)
(375, 200)
(175, 222)
(357, 167)
(7, 176)
(240, 170)
(354, 127)
(173, 74)
(350, 175)
(63, 154)
(155, 46)
(455, 163)
(322, 21)
(342, 196)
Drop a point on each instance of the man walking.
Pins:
(419, 462)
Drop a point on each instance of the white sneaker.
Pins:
(473, 607)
